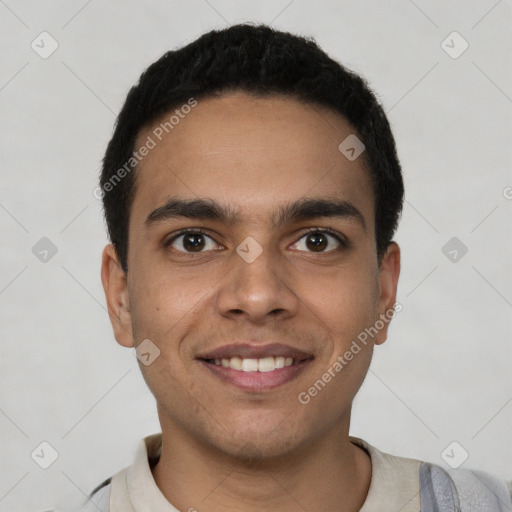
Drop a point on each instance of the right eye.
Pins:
(192, 241)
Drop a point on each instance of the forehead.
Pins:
(252, 153)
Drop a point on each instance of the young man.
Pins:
(251, 191)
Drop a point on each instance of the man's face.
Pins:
(262, 274)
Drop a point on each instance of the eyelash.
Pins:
(344, 244)
(184, 231)
(338, 236)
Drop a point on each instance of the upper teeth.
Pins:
(265, 364)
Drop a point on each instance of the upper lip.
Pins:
(248, 351)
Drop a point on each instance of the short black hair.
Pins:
(259, 60)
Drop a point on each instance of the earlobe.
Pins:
(115, 286)
(388, 281)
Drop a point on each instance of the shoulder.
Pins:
(466, 490)
(438, 489)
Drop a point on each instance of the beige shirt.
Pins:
(394, 483)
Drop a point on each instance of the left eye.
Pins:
(317, 241)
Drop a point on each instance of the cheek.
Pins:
(344, 298)
(166, 302)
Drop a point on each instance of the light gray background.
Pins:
(445, 372)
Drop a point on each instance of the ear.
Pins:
(388, 281)
(116, 292)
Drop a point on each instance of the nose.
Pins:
(259, 290)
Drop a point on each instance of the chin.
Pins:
(254, 446)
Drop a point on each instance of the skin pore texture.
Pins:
(226, 448)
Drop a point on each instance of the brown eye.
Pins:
(192, 242)
(319, 241)
(316, 242)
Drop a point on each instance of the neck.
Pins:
(330, 474)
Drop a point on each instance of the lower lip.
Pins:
(257, 381)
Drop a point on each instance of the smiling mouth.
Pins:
(251, 374)
(245, 364)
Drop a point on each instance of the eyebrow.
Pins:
(300, 210)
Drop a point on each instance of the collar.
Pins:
(394, 481)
